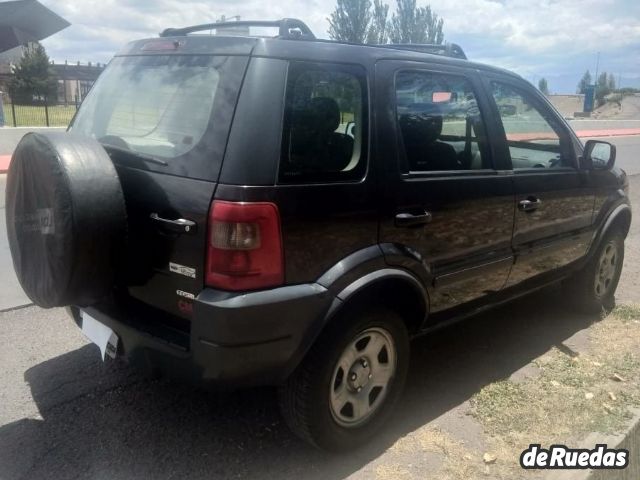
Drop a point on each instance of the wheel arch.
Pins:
(620, 217)
(393, 288)
(359, 280)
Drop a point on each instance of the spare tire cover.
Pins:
(66, 218)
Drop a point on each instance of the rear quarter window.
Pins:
(325, 124)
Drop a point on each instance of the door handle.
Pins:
(180, 225)
(411, 220)
(529, 205)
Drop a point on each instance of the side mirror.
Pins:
(598, 155)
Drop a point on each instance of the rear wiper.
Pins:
(134, 155)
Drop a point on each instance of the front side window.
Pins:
(325, 127)
(440, 123)
(533, 137)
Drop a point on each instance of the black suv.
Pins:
(288, 211)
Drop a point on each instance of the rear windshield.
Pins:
(172, 108)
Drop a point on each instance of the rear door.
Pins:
(164, 119)
(448, 202)
(554, 198)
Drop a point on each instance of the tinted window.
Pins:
(535, 139)
(325, 124)
(440, 123)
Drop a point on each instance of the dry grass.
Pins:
(572, 396)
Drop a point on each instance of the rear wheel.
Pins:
(347, 385)
(594, 287)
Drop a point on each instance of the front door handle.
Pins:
(180, 225)
(412, 220)
(529, 205)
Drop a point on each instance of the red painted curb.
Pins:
(4, 163)
(608, 133)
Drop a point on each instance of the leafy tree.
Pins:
(379, 28)
(350, 21)
(33, 79)
(412, 24)
(543, 86)
(611, 83)
(584, 81)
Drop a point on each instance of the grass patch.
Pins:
(627, 312)
(572, 396)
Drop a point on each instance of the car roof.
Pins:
(318, 50)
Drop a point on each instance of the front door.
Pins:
(447, 203)
(554, 199)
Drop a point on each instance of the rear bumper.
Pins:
(235, 339)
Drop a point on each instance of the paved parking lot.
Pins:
(67, 415)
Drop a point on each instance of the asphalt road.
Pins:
(66, 414)
(11, 294)
(627, 152)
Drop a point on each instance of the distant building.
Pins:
(75, 80)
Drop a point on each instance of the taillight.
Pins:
(244, 246)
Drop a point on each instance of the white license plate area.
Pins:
(100, 334)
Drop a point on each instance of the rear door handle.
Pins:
(180, 225)
(529, 205)
(411, 220)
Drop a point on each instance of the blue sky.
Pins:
(555, 39)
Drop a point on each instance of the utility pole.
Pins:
(595, 83)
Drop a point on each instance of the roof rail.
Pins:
(447, 49)
(289, 28)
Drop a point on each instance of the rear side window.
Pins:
(325, 124)
(440, 123)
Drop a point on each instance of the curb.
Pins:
(4, 163)
(629, 440)
(611, 132)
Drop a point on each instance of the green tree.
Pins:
(33, 79)
(379, 28)
(350, 21)
(543, 86)
(413, 24)
(584, 81)
(602, 88)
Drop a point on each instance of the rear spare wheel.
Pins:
(66, 218)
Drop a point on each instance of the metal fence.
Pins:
(16, 115)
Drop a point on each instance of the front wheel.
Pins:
(594, 287)
(347, 385)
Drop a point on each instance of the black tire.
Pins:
(589, 293)
(305, 398)
(66, 218)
